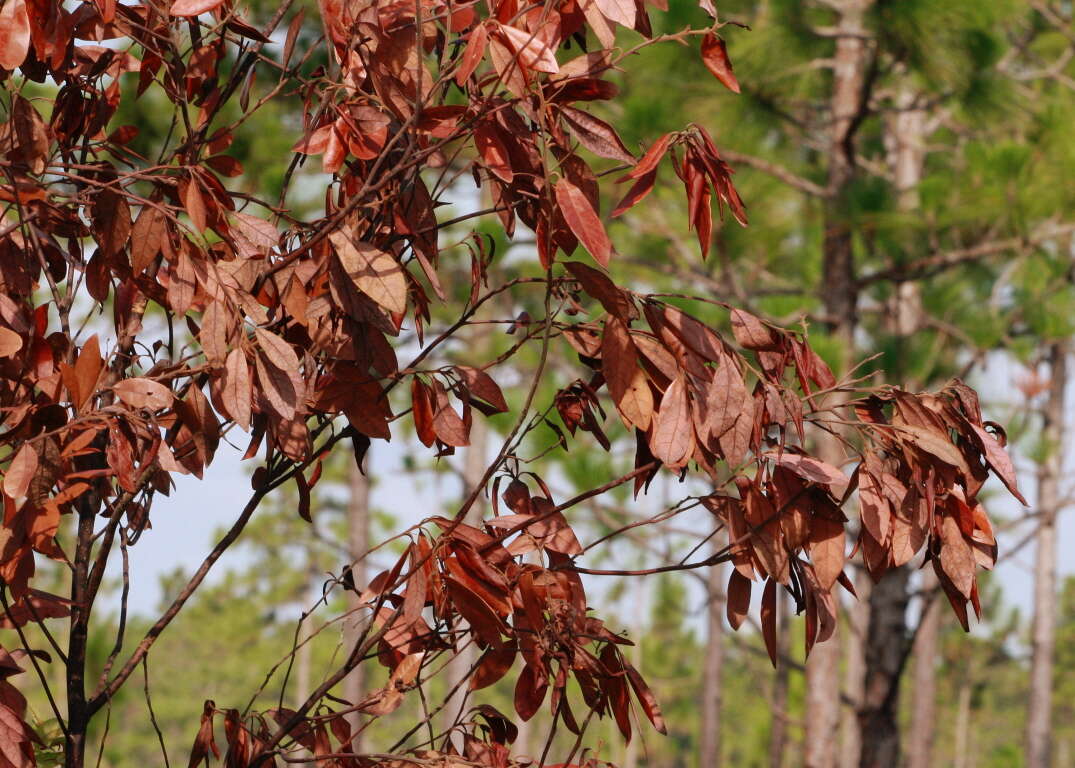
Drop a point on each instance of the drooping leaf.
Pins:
(715, 57)
(583, 221)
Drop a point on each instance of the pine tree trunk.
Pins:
(924, 692)
(839, 294)
(855, 671)
(961, 759)
(1039, 702)
(358, 545)
(713, 664)
(886, 646)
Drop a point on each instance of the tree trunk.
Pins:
(78, 716)
(358, 545)
(709, 743)
(1039, 703)
(855, 671)
(778, 733)
(924, 692)
(886, 646)
(961, 757)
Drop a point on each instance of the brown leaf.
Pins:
(814, 470)
(532, 50)
(148, 236)
(583, 221)
(374, 272)
(827, 550)
(875, 510)
(596, 135)
(194, 203)
(20, 472)
(957, 560)
(715, 58)
(598, 285)
(235, 388)
(626, 381)
(481, 384)
(10, 342)
(143, 393)
(645, 697)
(1000, 462)
(933, 442)
(768, 618)
(636, 193)
(752, 333)
(620, 11)
(14, 34)
(193, 7)
(672, 438)
(738, 600)
(494, 664)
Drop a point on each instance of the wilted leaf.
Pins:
(143, 393)
(14, 34)
(715, 57)
(672, 438)
(20, 472)
(193, 7)
(583, 220)
(374, 272)
(10, 342)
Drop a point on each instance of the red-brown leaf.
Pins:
(583, 221)
(374, 272)
(14, 34)
(715, 58)
(826, 550)
(143, 393)
(672, 440)
(21, 471)
(738, 598)
(193, 7)
(768, 618)
(235, 388)
(626, 381)
(10, 342)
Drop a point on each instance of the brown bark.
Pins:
(358, 533)
(924, 692)
(854, 671)
(713, 664)
(886, 651)
(1043, 637)
(961, 758)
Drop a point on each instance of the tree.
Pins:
(150, 308)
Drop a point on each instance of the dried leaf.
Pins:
(768, 618)
(14, 34)
(583, 221)
(626, 381)
(10, 342)
(374, 272)
(672, 439)
(715, 58)
(20, 472)
(193, 7)
(738, 599)
(143, 393)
